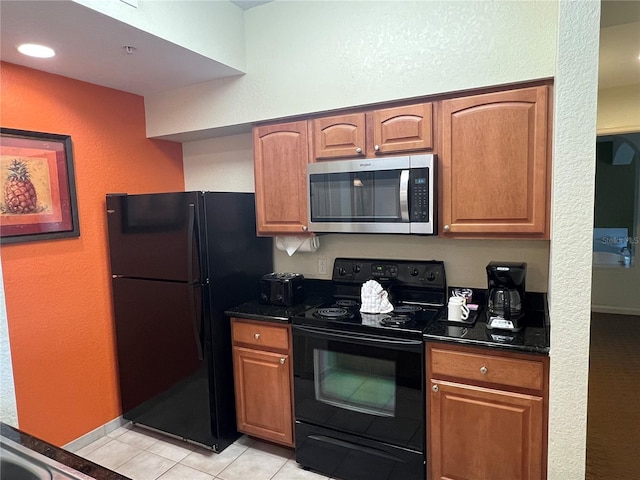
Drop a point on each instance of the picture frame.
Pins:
(37, 187)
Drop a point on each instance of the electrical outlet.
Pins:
(322, 266)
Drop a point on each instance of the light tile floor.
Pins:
(141, 454)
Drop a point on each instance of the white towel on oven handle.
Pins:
(374, 298)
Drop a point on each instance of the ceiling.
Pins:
(90, 47)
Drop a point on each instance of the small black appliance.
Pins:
(506, 282)
(282, 289)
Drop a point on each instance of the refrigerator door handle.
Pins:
(190, 240)
(194, 319)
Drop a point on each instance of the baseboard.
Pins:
(616, 310)
(94, 435)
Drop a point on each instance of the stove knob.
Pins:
(414, 272)
(356, 268)
(341, 271)
(431, 276)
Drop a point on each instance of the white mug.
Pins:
(457, 309)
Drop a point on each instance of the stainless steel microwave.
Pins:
(377, 195)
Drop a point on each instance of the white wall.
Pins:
(571, 235)
(222, 164)
(219, 25)
(313, 56)
(8, 410)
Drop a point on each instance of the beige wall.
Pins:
(619, 109)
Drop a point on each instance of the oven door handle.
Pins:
(328, 334)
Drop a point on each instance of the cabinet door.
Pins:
(341, 136)
(263, 394)
(478, 433)
(494, 164)
(402, 129)
(280, 161)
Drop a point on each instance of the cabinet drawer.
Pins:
(261, 335)
(513, 372)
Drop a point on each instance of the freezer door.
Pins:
(164, 358)
(157, 236)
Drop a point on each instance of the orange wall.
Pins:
(58, 292)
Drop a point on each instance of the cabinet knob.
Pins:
(435, 388)
(304, 228)
(483, 370)
(256, 336)
(376, 148)
(446, 228)
(282, 361)
(358, 150)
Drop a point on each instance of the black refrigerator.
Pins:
(178, 260)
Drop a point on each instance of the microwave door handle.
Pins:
(404, 195)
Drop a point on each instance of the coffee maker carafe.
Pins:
(506, 295)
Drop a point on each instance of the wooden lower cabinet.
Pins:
(479, 429)
(262, 375)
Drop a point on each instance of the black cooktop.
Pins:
(416, 289)
(406, 320)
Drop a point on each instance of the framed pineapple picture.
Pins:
(38, 199)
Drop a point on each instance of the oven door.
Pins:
(367, 386)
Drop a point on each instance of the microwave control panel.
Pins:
(419, 195)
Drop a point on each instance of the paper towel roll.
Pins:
(292, 245)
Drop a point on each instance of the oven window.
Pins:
(362, 196)
(353, 382)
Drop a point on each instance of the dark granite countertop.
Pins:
(533, 338)
(58, 454)
(254, 310)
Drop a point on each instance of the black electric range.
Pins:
(416, 289)
(359, 378)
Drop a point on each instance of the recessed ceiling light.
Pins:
(35, 50)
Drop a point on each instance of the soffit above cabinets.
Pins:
(89, 46)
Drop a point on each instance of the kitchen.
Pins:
(230, 154)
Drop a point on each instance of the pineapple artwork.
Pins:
(19, 193)
(26, 186)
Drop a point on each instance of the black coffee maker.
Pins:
(505, 310)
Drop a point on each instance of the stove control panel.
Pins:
(416, 273)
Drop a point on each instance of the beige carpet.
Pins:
(613, 415)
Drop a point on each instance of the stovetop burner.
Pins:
(397, 320)
(333, 312)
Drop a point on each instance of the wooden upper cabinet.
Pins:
(367, 134)
(340, 136)
(400, 129)
(281, 154)
(494, 164)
